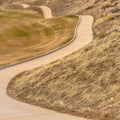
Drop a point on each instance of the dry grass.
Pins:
(26, 34)
(86, 83)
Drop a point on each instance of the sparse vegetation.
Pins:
(87, 82)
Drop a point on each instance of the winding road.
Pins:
(11, 109)
(25, 5)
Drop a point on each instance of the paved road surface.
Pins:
(25, 5)
(11, 109)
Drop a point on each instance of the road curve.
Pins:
(25, 5)
(46, 12)
(11, 109)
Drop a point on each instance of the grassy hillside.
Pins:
(25, 34)
(86, 83)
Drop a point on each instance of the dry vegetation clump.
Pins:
(25, 34)
(85, 83)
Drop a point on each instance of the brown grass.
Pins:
(24, 35)
(86, 83)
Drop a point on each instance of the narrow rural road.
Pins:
(11, 109)
(46, 12)
(25, 5)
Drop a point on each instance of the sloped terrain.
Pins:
(25, 34)
(87, 82)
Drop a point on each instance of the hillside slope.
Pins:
(87, 82)
(25, 34)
